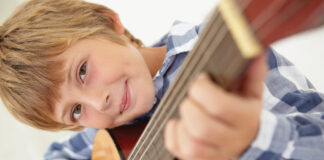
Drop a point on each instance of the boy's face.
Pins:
(106, 85)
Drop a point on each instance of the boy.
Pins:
(69, 64)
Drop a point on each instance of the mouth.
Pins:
(126, 99)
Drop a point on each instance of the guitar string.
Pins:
(153, 118)
(162, 115)
(198, 68)
(157, 134)
(149, 145)
(164, 109)
(148, 136)
(165, 117)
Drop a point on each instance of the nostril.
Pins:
(107, 99)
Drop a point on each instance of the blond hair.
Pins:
(38, 31)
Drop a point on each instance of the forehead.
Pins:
(59, 105)
(70, 55)
(81, 46)
(72, 48)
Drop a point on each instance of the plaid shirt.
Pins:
(292, 119)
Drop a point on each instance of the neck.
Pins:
(153, 57)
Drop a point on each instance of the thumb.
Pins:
(253, 79)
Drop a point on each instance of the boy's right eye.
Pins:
(76, 112)
(83, 71)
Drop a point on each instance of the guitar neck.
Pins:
(220, 53)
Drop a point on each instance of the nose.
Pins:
(98, 100)
(107, 99)
(106, 103)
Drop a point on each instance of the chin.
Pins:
(141, 112)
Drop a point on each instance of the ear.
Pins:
(118, 26)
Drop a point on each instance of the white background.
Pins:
(149, 20)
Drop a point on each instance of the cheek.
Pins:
(93, 73)
(106, 73)
(91, 118)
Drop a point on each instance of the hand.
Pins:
(216, 124)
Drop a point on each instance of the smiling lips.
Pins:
(126, 99)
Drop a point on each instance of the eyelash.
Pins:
(74, 109)
(80, 71)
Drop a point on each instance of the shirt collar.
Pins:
(181, 38)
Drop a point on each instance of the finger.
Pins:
(203, 127)
(186, 147)
(170, 136)
(214, 100)
(254, 77)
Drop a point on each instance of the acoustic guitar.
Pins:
(237, 32)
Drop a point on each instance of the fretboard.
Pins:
(217, 53)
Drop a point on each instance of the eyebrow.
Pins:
(70, 68)
(69, 78)
(64, 112)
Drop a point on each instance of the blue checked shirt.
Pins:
(292, 119)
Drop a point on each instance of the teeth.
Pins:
(125, 101)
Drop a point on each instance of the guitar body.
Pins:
(104, 148)
(116, 143)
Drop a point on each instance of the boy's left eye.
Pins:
(83, 71)
(76, 112)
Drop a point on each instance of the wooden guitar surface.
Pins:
(104, 147)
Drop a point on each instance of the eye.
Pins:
(76, 112)
(82, 71)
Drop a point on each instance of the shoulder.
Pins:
(77, 146)
(182, 31)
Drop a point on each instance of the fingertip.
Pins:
(255, 75)
(169, 133)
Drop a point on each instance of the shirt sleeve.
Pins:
(78, 146)
(292, 119)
